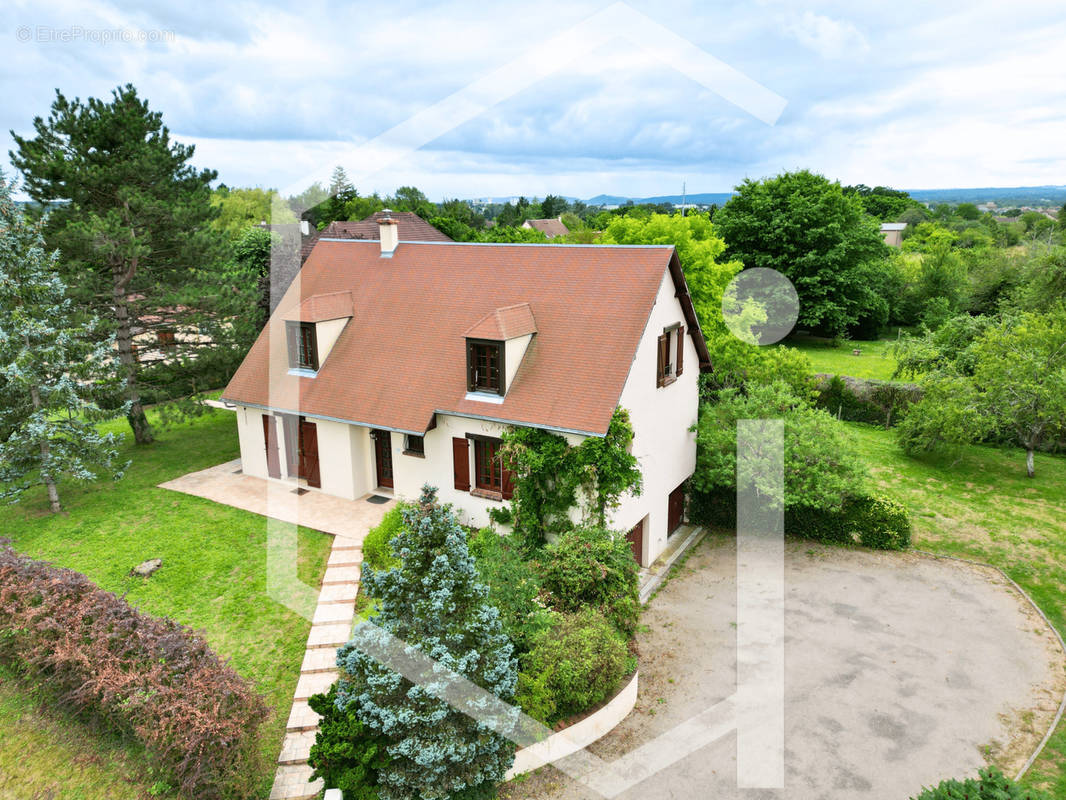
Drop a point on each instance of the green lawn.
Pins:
(985, 508)
(213, 578)
(875, 361)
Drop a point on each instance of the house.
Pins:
(303, 237)
(893, 233)
(549, 227)
(411, 227)
(390, 364)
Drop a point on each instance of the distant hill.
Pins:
(1006, 197)
(703, 198)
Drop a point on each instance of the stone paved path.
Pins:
(348, 521)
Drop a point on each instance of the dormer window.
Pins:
(485, 367)
(303, 345)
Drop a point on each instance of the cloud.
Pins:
(271, 93)
(830, 38)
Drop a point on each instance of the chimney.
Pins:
(389, 233)
(305, 228)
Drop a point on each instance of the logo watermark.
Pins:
(70, 34)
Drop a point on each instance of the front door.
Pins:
(383, 457)
(676, 512)
(309, 453)
(636, 540)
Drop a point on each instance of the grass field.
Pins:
(213, 578)
(875, 361)
(984, 508)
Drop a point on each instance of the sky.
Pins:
(572, 98)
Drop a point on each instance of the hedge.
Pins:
(870, 520)
(865, 400)
(150, 679)
(991, 784)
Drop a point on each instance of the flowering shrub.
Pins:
(151, 679)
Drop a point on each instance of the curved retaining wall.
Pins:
(579, 735)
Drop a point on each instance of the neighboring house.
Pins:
(284, 263)
(393, 364)
(893, 233)
(549, 227)
(412, 228)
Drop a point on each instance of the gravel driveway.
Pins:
(901, 670)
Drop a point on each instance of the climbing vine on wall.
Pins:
(551, 477)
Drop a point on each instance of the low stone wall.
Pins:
(579, 735)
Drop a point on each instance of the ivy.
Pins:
(550, 476)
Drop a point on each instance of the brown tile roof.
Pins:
(549, 227)
(412, 228)
(402, 356)
(322, 307)
(505, 323)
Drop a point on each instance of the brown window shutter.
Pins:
(292, 334)
(508, 483)
(461, 463)
(471, 367)
(680, 350)
(660, 371)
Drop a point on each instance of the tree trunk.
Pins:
(46, 477)
(1029, 462)
(142, 431)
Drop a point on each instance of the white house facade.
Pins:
(390, 365)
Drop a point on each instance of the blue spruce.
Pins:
(433, 602)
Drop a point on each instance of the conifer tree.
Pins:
(49, 369)
(130, 216)
(433, 602)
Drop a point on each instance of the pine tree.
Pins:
(48, 370)
(434, 602)
(132, 215)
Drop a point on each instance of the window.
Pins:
(414, 445)
(488, 468)
(166, 338)
(670, 355)
(484, 361)
(303, 345)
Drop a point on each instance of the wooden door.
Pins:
(636, 541)
(290, 428)
(309, 468)
(383, 457)
(270, 441)
(676, 512)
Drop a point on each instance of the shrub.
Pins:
(435, 602)
(991, 784)
(151, 679)
(593, 568)
(573, 666)
(346, 754)
(859, 400)
(820, 469)
(513, 584)
(870, 520)
(882, 523)
(377, 546)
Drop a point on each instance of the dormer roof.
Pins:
(508, 322)
(322, 307)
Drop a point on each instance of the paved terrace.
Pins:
(348, 521)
